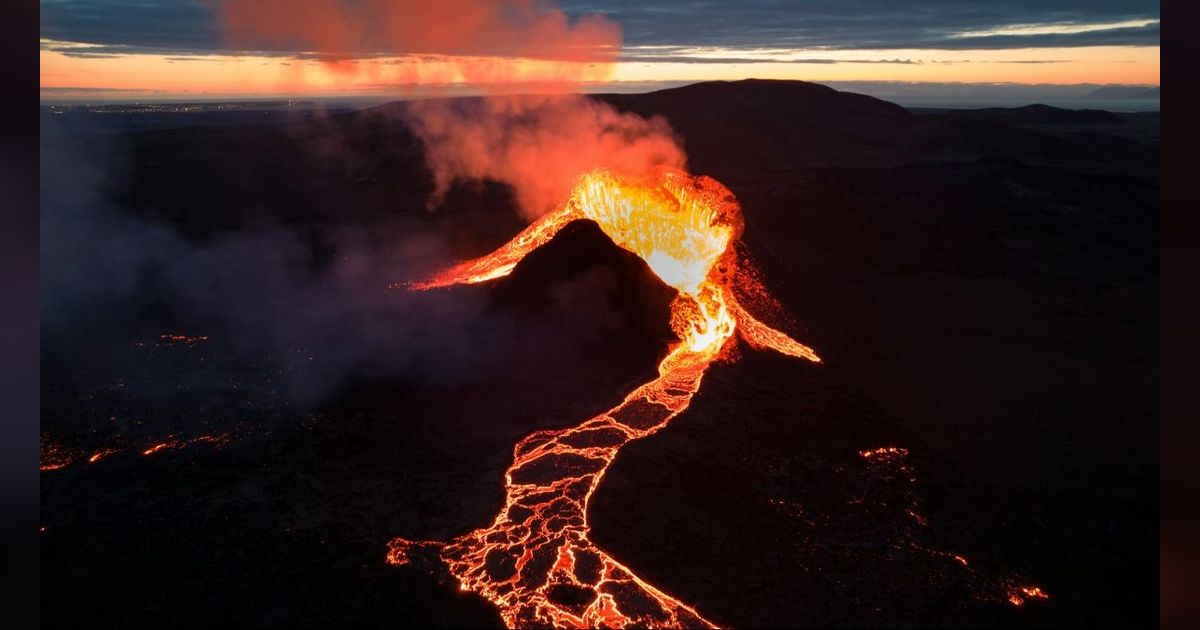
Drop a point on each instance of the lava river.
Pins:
(535, 561)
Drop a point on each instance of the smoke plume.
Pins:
(109, 276)
(354, 29)
(537, 144)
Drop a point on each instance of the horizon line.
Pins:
(414, 92)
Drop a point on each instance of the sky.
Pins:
(241, 48)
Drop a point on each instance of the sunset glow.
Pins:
(216, 75)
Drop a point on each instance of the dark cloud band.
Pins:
(189, 26)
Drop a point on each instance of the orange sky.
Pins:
(224, 75)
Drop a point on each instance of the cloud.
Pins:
(192, 26)
(877, 24)
(97, 90)
(1034, 61)
(1128, 36)
(537, 144)
(133, 25)
(686, 58)
(472, 28)
(1061, 28)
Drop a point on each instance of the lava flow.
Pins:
(535, 561)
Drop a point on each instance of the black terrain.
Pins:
(982, 285)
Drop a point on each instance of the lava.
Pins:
(53, 456)
(158, 447)
(535, 561)
(218, 440)
(888, 464)
(1019, 594)
(56, 457)
(884, 453)
(181, 340)
(100, 454)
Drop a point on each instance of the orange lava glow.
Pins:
(53, 456)
(56, 457)
(100, 454)
(537, 547)
(158, 447)
(884, 453)
(181, 339)
(1019, 595)
(175, 444)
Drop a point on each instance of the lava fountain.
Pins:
(535, 561)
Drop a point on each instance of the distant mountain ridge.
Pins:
(1044, 114)
(1124, 91)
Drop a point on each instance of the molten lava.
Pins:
(538, 548)
(1019, 594)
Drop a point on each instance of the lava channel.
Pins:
(535, 561)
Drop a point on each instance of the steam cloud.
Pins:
(469, 29)
(537, 144)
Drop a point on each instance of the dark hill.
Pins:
(771, 106)
(756, 125)
(770, 124)
(1043, 114)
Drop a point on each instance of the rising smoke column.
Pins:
(532, 130)
(538, 144)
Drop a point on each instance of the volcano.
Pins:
(683, 228)
(976, 446)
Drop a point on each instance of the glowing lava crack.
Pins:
(535, 562)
